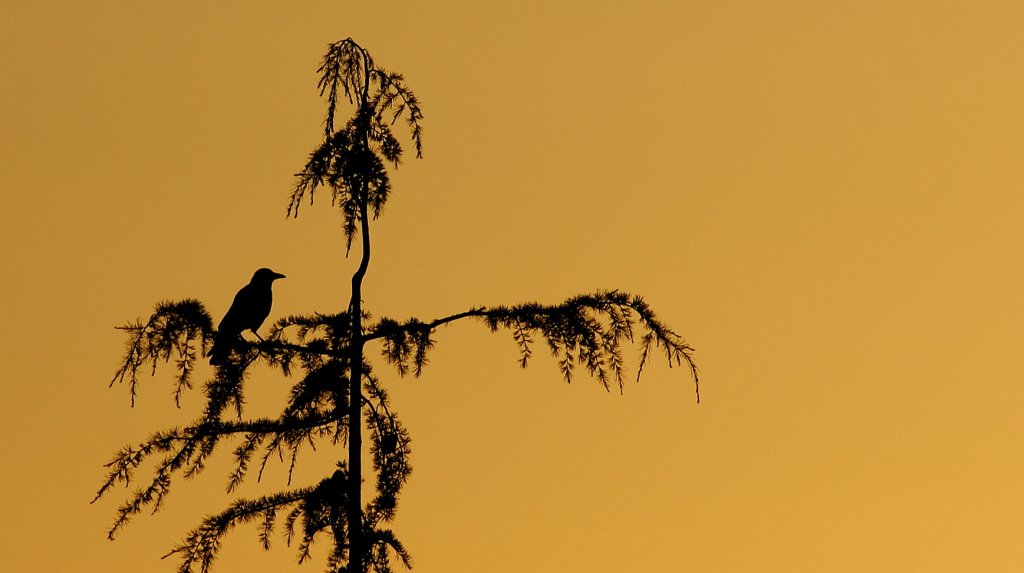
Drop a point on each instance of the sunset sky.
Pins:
(823, 198)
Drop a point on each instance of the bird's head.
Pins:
(266, 276)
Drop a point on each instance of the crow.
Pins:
(248, 311)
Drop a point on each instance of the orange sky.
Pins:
(823, 197)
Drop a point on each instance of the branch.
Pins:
(171, 332)
(187, 449)
(201, 545)
(586, 330)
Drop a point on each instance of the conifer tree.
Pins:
(335, 389)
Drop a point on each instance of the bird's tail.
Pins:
(220, 350)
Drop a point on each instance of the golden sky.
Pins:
(822, 197)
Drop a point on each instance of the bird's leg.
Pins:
(257, 335)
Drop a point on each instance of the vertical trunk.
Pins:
(356, 549)
(355, 442)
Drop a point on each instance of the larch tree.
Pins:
(334, 389)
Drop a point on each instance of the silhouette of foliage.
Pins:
(573, 331)
(334, 391)
(351, 160)
(172, 332)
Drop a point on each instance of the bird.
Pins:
(247, 312)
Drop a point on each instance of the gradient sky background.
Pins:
(823, 197)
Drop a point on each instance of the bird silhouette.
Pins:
(247, 312)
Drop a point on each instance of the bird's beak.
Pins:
(279, 276)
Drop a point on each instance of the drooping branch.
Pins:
(316, 410)
(311, 511)
(201, 545)
(390, 450)
(182, 332)
(185, 451)
(393, 95)
(586, 330)
(172, 332)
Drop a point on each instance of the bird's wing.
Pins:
(249, 309)
(235, 318)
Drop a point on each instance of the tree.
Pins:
(336, 389)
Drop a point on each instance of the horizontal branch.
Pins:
(585, 330)
(269, 346)
(383, 331)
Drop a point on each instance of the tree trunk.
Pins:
(355, 442)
